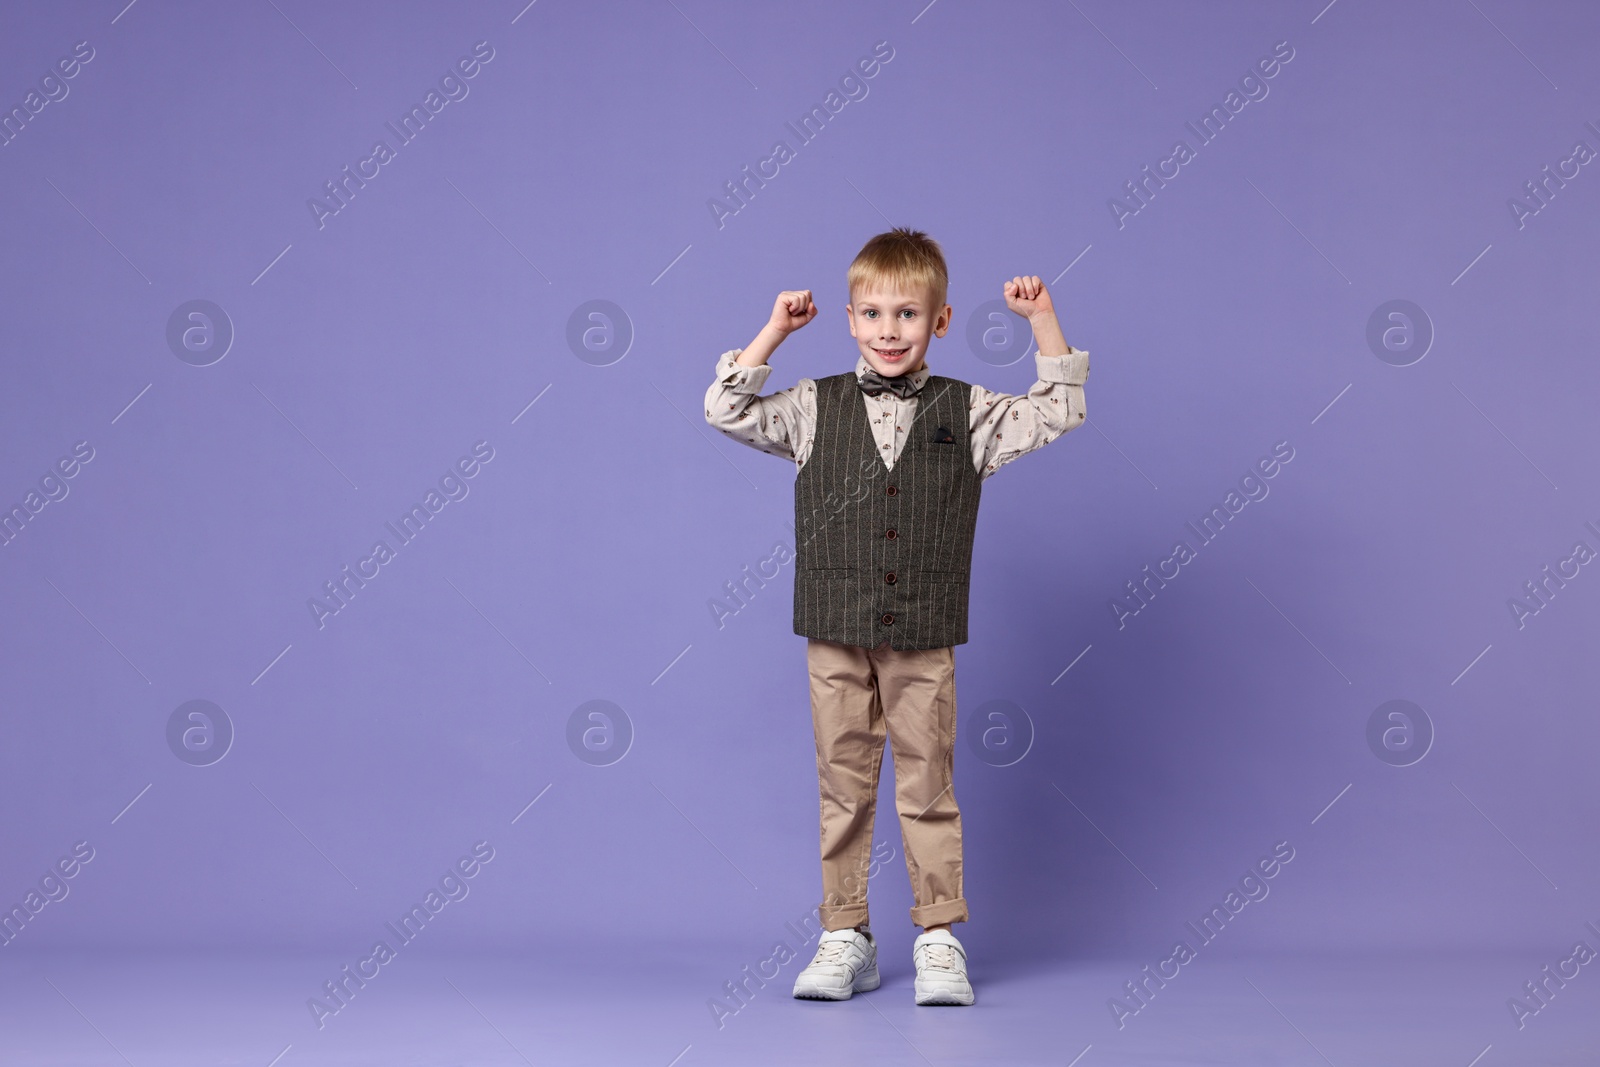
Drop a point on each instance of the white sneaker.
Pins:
(846, 963)
(941, 969)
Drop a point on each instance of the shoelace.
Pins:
(830, 952)
(940, 957)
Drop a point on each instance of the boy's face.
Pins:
(893, 327)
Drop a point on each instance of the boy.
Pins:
(891, 460)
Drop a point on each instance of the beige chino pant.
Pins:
(858, 696)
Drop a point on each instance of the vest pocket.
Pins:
(954, 577)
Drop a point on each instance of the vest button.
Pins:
(889, 577)
(888, 619)
(890, 534)
(891, 490)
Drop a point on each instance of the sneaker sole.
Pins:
(944, 994)
(865, 982)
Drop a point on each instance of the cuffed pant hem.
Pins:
(843, 917)
(944, 911)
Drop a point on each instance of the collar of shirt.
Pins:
(920, 376)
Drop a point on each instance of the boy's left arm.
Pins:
(1003, 426)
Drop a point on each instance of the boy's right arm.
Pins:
(779, 424)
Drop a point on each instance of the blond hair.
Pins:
(907, 260)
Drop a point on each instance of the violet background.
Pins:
(1229, 314)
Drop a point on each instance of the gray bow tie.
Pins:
(872, 383)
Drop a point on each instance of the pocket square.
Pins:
(943, 436)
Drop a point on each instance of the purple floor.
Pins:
(610, 1003)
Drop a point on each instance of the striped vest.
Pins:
(879, 553)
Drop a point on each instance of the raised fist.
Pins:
(792, 310)
(1027, 296)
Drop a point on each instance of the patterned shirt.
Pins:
(1002, 426)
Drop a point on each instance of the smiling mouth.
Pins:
(891, 353)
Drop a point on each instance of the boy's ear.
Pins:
(941, 325)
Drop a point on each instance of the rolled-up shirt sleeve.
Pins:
(775, 424)
(1004, 426)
